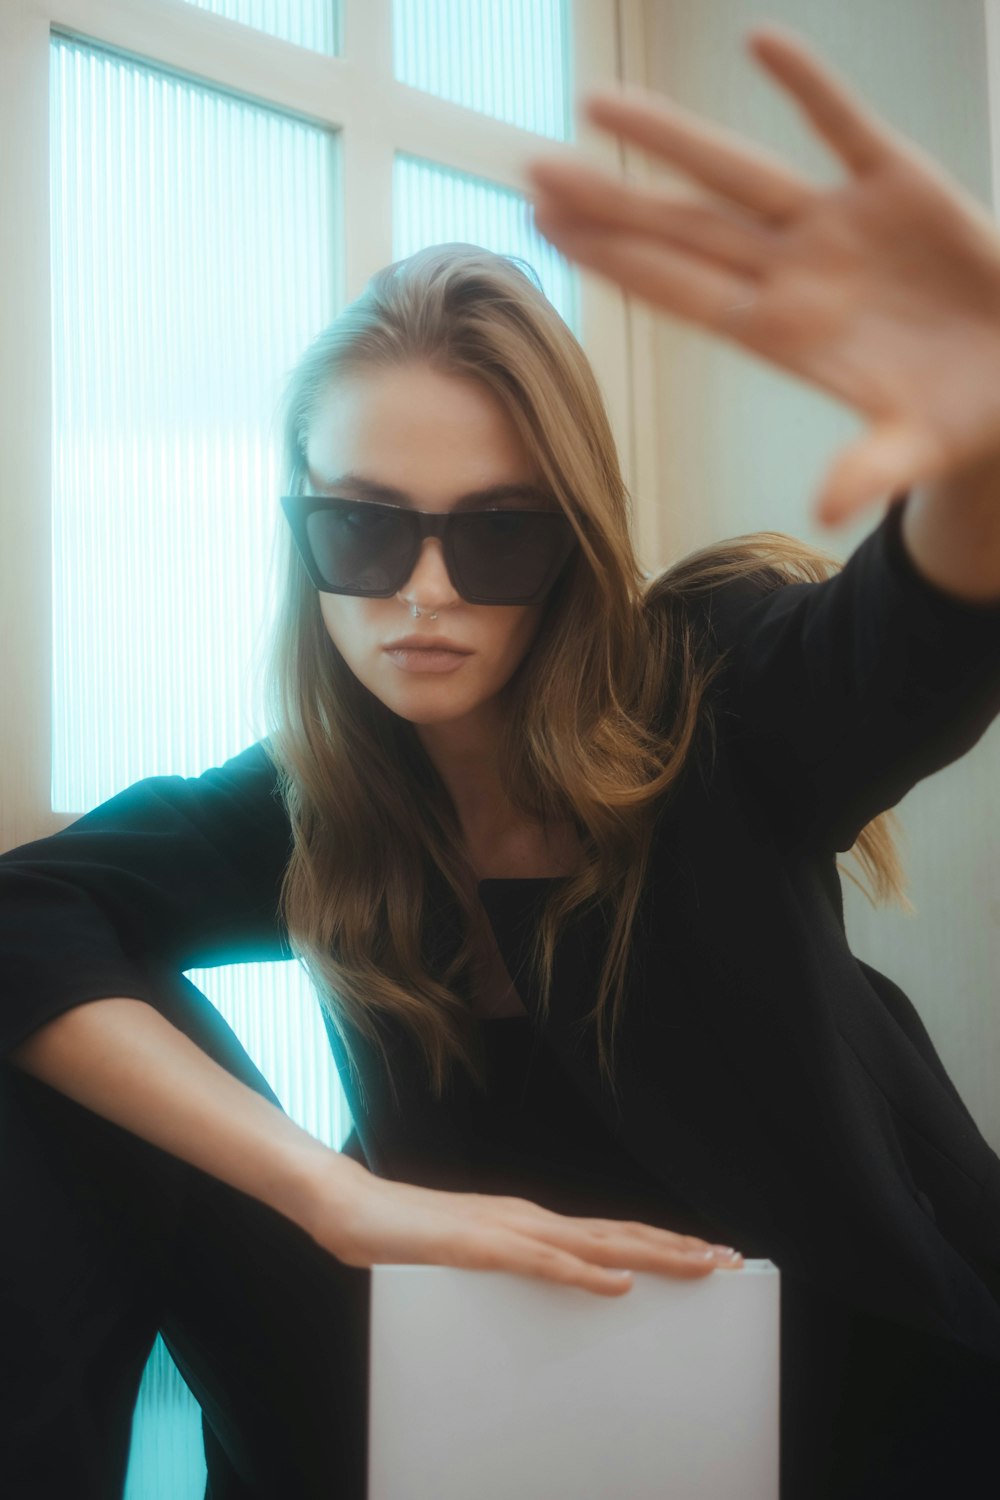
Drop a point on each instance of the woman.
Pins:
(570, 903)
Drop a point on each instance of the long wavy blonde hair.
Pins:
(375, 830)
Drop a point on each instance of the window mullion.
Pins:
(367, 160)
(368, 36)
(25, 423)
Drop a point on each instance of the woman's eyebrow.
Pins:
(370, 489)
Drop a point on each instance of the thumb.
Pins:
(886, 461)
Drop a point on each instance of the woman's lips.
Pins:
(424, 659)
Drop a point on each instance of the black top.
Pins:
(538, 1136)
(777, 1085)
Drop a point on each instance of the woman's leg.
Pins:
(112, 1239)
(271, 1334)
(79, 1299)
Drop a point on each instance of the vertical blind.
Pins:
(194, 253)
(196, 247)
(309, 23)
(506, 58)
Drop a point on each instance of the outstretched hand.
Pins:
(883, 290)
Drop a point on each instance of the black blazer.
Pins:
(787, 1091)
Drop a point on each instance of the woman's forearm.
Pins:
(122, 1059)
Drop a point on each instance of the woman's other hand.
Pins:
(882, 290)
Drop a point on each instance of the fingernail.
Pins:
(725, 1251)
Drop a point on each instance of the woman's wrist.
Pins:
(317, 1181)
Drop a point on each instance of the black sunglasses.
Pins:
(369, 548)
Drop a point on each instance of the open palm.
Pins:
(884, 290)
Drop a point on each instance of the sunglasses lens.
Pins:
(363, 547)
(510, 555)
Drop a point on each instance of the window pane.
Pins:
(274, 1011)
(433, 204)
(508, 58)
(315, 24)
(193, 260)
(167, 1458)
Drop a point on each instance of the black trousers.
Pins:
(107, 1240)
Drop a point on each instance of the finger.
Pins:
(614, 1242)
(756, 179)
(495, 1248)
(891, 458)
(856, 135)
(602, 1228)
(606, 201)
(524, 1254)
(670, 279)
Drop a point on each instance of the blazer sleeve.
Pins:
(176, 870)
(839, 696)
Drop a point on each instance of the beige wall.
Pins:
(742, 447)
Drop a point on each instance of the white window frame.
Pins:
(355, 94)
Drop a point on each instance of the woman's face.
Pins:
(435, 438)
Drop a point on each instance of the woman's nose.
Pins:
(430, 573)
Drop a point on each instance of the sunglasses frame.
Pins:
(298, 509)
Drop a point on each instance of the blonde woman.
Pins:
(557, 845)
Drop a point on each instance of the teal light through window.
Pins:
(433, 204)
(273, 1010)
(507, 58)
(315, 24)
